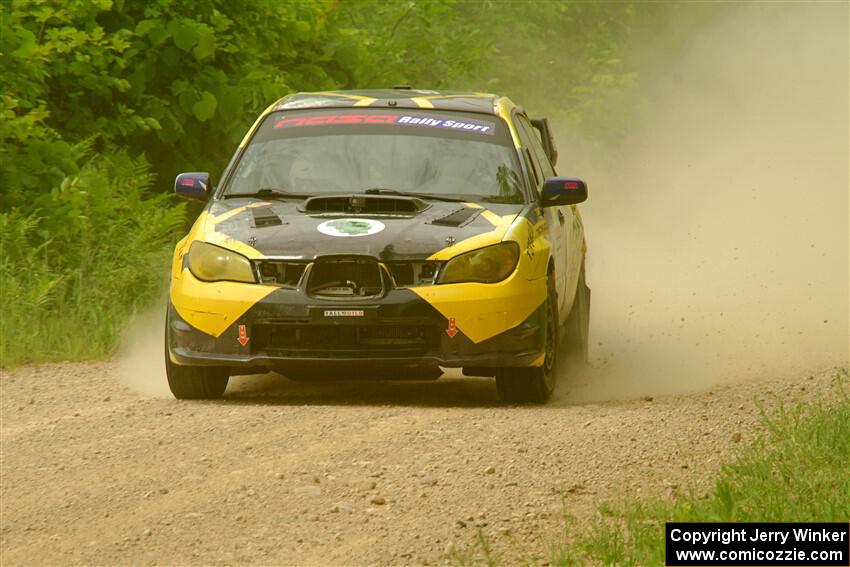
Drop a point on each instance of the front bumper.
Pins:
(287, 329)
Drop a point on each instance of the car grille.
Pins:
(348, 340)
(413, 273)
(345, 276)
(286, 274)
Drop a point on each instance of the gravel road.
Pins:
(352, 473)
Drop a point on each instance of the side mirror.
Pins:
(193, 185)
(542, 126)
(563, 191)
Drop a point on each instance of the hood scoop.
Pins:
(460, 217)
(364, 204)
(265, 217)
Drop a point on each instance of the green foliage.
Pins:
(32, 156)
(182, 80)
(563, 58)
(68, 287)
(796, 471)
(430, 45)
(179, 79)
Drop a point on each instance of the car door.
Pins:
(568, 225)
(553, 216)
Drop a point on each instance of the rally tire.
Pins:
(577, 326)
(194, 382)
(534, 384)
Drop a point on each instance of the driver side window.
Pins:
(535, 173)
(536, 147)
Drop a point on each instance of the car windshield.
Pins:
(340, 151)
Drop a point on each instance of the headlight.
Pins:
(485, 265)
(212, 263)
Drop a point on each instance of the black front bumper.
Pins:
(288, 330)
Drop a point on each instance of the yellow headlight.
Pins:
(212, 263)
(486, 265)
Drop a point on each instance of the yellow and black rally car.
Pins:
(383, 233)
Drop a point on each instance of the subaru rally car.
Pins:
(388, 233)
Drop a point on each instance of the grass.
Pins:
(88, 256)
(797, 470)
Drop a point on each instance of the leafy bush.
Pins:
(94, 250)
(182, 80)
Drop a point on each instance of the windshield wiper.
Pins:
(382, 191)
(268, 193)
(514, 200)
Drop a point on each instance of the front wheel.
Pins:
(194, 382)
(577, 326)
(534, 384)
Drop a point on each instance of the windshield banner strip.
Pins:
(465, 125)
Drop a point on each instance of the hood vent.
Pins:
(460, 217)
(365, 204)
(264, 217)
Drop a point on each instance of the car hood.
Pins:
(286, 229)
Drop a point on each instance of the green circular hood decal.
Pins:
(347, 228)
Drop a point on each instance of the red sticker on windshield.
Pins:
(333, 119)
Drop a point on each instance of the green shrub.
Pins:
(94, 251)
(183, 80)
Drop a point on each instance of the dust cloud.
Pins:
(141, 357)
(718, 227)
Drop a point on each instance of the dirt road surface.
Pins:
(355, 473)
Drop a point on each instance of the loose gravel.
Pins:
(337, 473)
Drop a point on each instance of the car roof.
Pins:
(398, 97)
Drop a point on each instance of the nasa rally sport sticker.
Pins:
(347, 228)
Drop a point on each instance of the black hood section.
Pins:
(286, 229)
